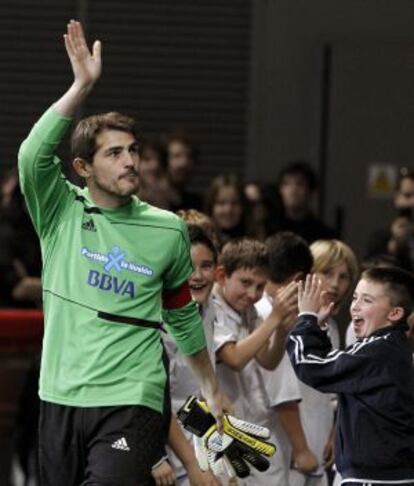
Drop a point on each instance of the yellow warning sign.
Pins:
(382, 178)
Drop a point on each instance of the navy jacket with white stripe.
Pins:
(374, 380)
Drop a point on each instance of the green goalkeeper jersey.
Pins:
(104, 275)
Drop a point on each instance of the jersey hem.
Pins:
(98, 403)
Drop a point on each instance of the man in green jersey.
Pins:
(113, 268)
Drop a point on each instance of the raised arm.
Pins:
(316, 363)
(86, 67)
(267, 342)
(284, 313)
(41, 180)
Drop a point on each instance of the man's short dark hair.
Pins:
(83, 141)
(399, 285)
(289, 254)
(299, 168)
(244, 253)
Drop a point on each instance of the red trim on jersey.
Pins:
(176, 298)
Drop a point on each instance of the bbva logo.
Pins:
(109, 283)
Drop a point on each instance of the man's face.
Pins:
(180, 163)
(243, 288)
(404, 199)
(371, 308)
(202, 279)
(295, 192)
(114, 170)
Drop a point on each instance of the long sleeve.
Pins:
(355, 370)
(180, 313)
(46, 191)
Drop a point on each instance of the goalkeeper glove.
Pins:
(241, 443)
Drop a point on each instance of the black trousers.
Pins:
(106, 446)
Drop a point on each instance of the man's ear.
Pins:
(220, 275)
(396, 314)
(82, 168)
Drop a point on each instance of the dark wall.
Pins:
(173, 65)
(286, 101)
(244, 76)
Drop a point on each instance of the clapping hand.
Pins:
(285, 306)
(312, 298)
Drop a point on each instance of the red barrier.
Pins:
(20, 329)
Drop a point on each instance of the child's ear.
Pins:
(220, 275)
(396, 314)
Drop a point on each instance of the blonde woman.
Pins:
(336, 265)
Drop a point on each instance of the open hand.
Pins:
(86, 66)
(312, 298)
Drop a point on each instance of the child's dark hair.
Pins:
(244, 253)
(299, 168)
(150, 144)
(289, 254)
(223, 180)
(398, 282)
(198, 236)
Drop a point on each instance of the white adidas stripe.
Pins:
(333, 355)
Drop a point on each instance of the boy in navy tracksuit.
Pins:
(374, 378)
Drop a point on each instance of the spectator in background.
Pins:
(397, 240)
(181, 157)
(225, 203)
(258, 211)
(20, 258)
(153, 183)
(296, 185)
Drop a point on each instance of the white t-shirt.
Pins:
(281, 383)
(282, 386)
(247, 388)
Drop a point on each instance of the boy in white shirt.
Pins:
(290, 260)
(183, 382)
(243, 343)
